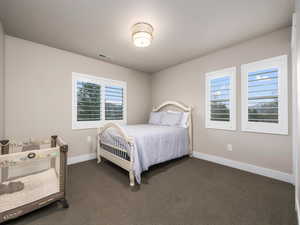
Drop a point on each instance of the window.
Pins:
(220, 99)
(96, 100)
(88, 101)
(114, 103)
(265, 96)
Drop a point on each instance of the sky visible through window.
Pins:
(220, 99)
(113, 103)
(263, 96)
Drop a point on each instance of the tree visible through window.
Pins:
(88, 101)
(96, 100)
(113, 103)
(263, 96)
(220, 99)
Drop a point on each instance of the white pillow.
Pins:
(171, 118)
(155, 118)
(184, 119)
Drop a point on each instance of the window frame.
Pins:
(103, 82)
(279, 62)
(224, 125)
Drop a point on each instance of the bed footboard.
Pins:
(118, 152)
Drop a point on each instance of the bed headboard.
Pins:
(180, 107)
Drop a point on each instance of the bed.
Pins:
(137, 147)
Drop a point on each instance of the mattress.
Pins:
(36, 186)
(153, 144)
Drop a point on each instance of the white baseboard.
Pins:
(275, 174)
(81, 158)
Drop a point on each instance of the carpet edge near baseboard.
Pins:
(275, 174)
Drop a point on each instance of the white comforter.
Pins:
(154, 144)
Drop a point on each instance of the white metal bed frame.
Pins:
(119, 155)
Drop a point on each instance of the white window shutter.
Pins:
(265, 96)
(97, 100)
(221, 99)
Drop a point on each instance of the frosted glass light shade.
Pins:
(142, 39)
(142, 34)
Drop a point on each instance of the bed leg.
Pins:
(98, 159)
(64, 203)
(131, 178)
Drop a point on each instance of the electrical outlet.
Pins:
(229, 147)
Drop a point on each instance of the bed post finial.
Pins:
(53, 141)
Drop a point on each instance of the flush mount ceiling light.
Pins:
(142, 34)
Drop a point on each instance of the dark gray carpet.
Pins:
(181, 192)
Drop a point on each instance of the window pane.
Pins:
(88, 101)
(113, 103)
(263, 96)
(220, 99)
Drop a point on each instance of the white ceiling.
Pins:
(183, 29)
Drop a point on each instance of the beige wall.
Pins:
(38, 97)
(38, 92)
(186, 83)
(1, 81)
